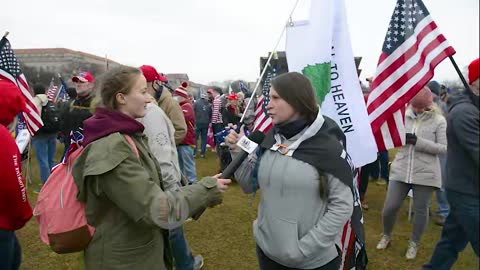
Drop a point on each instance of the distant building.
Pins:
(64, 61)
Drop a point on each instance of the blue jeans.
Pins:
(10, 252)
(443, 207)
(461, 227)
(187, 162)
(180, 250)
(45, 147)
(201, 131)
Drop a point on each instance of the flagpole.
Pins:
(268, 60)
(460, 75)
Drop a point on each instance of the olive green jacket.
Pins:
(127, 206)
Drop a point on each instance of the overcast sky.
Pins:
(214, 40)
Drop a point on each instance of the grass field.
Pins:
(224, 237)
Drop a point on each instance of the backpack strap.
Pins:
(132, 144)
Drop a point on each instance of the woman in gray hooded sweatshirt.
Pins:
(303, 171)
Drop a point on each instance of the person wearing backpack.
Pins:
(15, 209)
(121, 184)
(44, 142)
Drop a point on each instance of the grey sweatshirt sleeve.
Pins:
(339, 210)
(467, 131)
(243, 174)
(439, 146)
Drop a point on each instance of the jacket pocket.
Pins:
(280, 240)
(132, 256)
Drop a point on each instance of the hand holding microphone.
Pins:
(232, 139)
(222, 183)
(247, 146)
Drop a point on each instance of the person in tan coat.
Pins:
(166, 102)
(416, 166)
(122, 186)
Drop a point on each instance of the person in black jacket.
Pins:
(80, 109)
(462, 184)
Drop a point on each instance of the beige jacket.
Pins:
(419, 164)
(174, 112)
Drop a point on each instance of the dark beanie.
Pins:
(434, 87)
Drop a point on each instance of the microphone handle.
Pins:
(234, 165)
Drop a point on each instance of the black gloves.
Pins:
(411, 138)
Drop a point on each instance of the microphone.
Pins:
(248, 145)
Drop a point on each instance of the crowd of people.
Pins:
(137, 176)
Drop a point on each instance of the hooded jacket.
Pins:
(124, 196)
(463, 145)
(174, 112)
(15, 209)
(189, 115)
(159, 131)
(296, 227)
(419, 164)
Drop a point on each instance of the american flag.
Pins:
(52, 91)
(10, 70)
(413, 47)
(263, 122)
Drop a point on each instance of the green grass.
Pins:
(223, 235)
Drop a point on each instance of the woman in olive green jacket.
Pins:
(121, 184)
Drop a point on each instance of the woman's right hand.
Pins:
(232, 139)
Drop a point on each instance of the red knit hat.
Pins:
(11, 102)
(473, 71)
(181, 91)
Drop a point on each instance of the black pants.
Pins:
(364, 176)
(266, 263)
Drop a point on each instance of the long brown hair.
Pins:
(116, 80)
(297, 91)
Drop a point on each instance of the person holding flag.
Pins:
(301, 141)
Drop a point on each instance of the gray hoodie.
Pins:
(293, 226)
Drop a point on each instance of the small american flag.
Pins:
(52, 92)
(10, 70)
(263, 122)
(413, 47)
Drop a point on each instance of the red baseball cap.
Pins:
(151, 74)
(84, 76)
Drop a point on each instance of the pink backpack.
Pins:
(61, 217)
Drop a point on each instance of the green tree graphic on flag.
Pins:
(319, 76)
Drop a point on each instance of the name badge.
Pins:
(247, 145)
